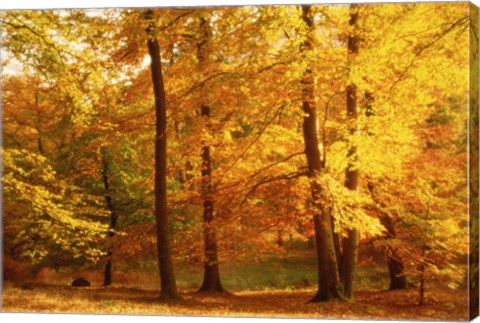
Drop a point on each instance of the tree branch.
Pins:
(423, 48)
(176, 19)
(36, 33)
(276, 163)
(271, 179)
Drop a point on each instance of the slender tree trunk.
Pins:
(211, 278)
(350, 243)
(338, 247)
(422, 279)
(280, 241)
(39, 139)
(40, 145)
(183, 175)
(329, 285)
(422, 289)
(395, 264)
(350, 247)
(168, 288)
(107, 278)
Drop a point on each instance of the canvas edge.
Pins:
(473, 159)
(1, 166)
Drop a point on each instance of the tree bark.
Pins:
(395, 269)
(395, 264)
(107, 278)
(168, 288)
(211, 278)
(350, 243)
(329, 285)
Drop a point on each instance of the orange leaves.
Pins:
(83, 96)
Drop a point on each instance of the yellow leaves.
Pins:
(348, 208)
(252, 81)
(38, 204)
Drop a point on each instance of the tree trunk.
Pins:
(280, 241)
(338, 247)
(168, 288)
(422, 289)
(422, 279)
(39, 139)
(395, 264)
(350, 243)
(40, 145)
(183, 175)
(395, 269)
(211, 278)
(349, 260)
(329, 285)
(107, 278)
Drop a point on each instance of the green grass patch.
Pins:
(298, 270)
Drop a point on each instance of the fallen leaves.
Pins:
(398, 305)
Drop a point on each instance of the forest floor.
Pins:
(274, 287)
(443, 304)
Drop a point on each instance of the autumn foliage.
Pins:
(200, 137)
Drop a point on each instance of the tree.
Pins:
(329, 284)
(77, 119)
(211, 279)
(107, 281)
(350, 243)
(52, 124)
(48, 221)
(412, 82)
(167, 279)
